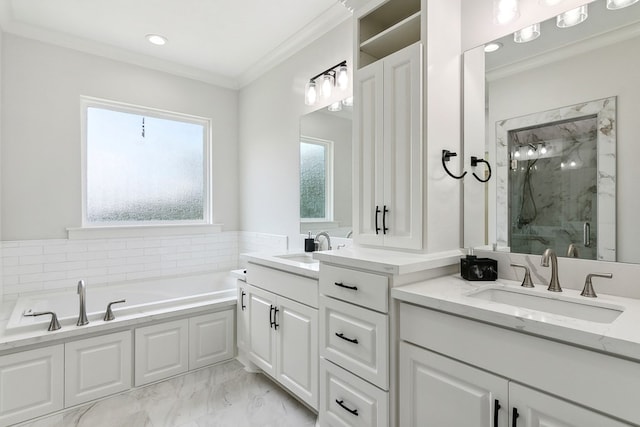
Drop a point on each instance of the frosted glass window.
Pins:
(142, 168)
(315, 180)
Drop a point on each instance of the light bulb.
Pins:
(310, 93)
(492, 47)
(527, 34)
(572, 164)
(619, 4)
(572, 17)
(562, 164)
(505, 11)
(543, 150)
(516, 154)
(327, 85)
(343, 77)
(530, 152)
(156, 39)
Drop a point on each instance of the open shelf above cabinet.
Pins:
(392, 39)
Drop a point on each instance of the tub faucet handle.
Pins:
(526, 281)
(54, 325)
(108, 315)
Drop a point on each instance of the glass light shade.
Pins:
(327, 85)
(342, 77)
(527, 34)
(619, 4)
(505, 11)
(572, 17)
(310, 93)
(336, 106)
(348, 102)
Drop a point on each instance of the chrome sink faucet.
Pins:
(82, 317)
(326, 236)
(554, 283)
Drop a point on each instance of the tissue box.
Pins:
(479, 269)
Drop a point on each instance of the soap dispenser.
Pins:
(309, 244)
(474, 268)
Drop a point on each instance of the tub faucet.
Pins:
(82, 317)
(554, 283)
(326, 236)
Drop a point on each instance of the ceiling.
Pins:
(224, 42)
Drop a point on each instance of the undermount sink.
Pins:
(301, 257)
(588, 310)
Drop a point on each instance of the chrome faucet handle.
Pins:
(588, 291)
(54, 325)
(526, 281)
(108, 315)
(572, 251)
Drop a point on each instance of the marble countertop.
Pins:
(450, 294)
(279, 261)
(389, 262)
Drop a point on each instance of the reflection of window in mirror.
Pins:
(316, 186)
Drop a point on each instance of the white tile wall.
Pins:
(261, 242)
(38, 265)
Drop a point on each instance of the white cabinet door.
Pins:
(367, 154)
(31, 384)
(211, 338)
(161, 351)
(262, 344)
(438, 391)
(297, 338)
(388, 151)
(96, 367)
(403, 153)
(530, 408)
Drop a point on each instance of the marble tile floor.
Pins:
(221, 395)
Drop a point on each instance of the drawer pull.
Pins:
(496, 409)
(514, 421)
(342, 285)
(341, 335)
(342, 405)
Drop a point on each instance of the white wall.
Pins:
(601, 73)
(270, 111)
(41, 88)
(478, 27)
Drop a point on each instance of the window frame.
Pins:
(87, 102)
(329, 163)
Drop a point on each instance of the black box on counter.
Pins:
(478, 269)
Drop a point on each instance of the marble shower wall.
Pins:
(567, 132)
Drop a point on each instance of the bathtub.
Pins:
(146, 297)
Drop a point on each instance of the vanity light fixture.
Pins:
(492, 47)
(156, 39)
(326, 80)
(619, 4)
(572, 17)
(505, 11)
(527, 34)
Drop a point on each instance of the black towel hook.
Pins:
(446, 154)
(474, 162)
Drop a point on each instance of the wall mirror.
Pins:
(325, 170)
(557, 117)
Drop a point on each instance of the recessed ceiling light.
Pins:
(156, 39)
(492, 47)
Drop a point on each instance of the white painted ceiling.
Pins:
(226, 42)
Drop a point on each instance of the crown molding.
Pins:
(320, 26)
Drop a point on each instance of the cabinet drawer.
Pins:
(356, 339)
(347, 400)
(357, 287)
(298, 288)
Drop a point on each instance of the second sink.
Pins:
(594, 312)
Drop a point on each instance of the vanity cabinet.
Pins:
(31, 384)
(459, 372)
(388, 151)
(97, 367)
(283, 333)
(436, 390)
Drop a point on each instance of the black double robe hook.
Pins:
(446, 155)
(474, 162)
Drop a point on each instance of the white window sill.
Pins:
(108, 232)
